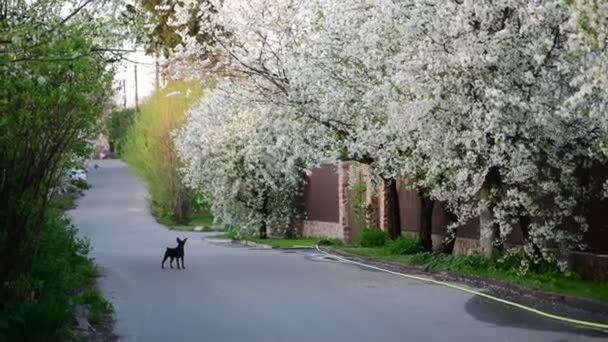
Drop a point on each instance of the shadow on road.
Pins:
(489, 311)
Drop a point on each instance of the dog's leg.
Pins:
(171, 262)
(177, 258)
(183, 266)
(162, 264)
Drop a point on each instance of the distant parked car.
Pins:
(78, 175)
(105, 154)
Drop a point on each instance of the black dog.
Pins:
(175, 253)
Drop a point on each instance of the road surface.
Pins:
(234, 293)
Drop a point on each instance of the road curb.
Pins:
(554, 303)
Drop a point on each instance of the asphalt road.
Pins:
(233, 293)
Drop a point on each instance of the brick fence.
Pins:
(329, 213)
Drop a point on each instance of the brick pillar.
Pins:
(371, 195)
(383, 206)
(343, 200)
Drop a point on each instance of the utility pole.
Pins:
(157, 74)
(136, 94)
(124, 93)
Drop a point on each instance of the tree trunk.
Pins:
(488, 231)
(394, 216)
(448, 245)
(265, 213)
(8, 260)
(524, 225)
(263, 231)
(426, 222)
(486, 226)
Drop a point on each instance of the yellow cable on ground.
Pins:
(598, 326)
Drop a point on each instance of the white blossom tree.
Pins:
(490, 83)
(249, 161)
(496, 108)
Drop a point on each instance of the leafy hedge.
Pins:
(149, 149)
(48, 286)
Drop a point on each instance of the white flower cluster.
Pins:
(509, 96)
(247, 159)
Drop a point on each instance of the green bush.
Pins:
(81, 184)
(372, 238)
(47, 286)
(329, 242)
(99, 307)
(234, 233)
(38, 321)
(404, 245)
(149, 150)
(117, 124)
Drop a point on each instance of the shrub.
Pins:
(99, 307)
(404, 245)
(81, 184)
(234, 233)
(329, 242)
(372, 238)
(36, 321)
(47, 286)
(116, 126)
(149, 149)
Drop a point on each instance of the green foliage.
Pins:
(234, 233)
(116, 126)
(369, 237)
(41, 321)
(67, 200)
(55, 83)
(53, 271)
(404, 245)
(278, 242)
(288, 243)
(149, 150)
(200, 204)
(199, 219)
(329, 242)
(359, 204)
(99, 307)
(81, 184)
(202, 218)
(53, 91)
(543, 276)
(164, 37)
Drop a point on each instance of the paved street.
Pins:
(233, 293)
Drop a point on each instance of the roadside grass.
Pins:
(99, 308)
(224, 236)
(274, 242)
(544, 277)
(67, 200)
(285, 243)
(202, 219)
(45, 294)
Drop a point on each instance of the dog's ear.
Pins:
(185, 239)
(177, 240)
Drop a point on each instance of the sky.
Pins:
(146, 71)
(146, 78)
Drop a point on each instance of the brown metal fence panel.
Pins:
(322, 194)
(409, 205)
